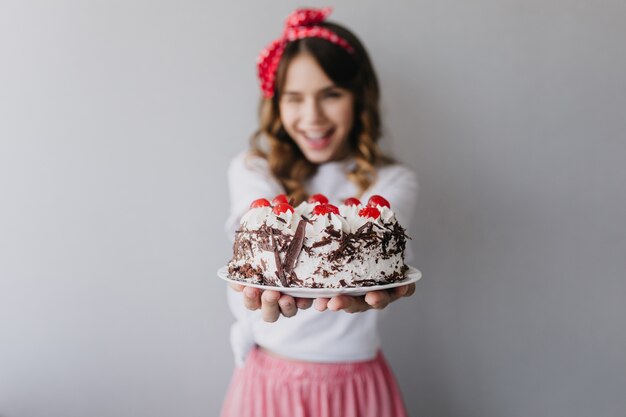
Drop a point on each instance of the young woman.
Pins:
(319, 128)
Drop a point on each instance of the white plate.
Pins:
(412, 275)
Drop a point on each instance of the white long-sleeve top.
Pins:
(311, 335)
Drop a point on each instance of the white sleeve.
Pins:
(241, 332)
(399, 186)
(248, 179)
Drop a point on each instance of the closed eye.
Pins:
(332, 94)
(291, 98)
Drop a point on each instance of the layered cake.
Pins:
(319, 245)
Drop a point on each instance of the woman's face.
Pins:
(316, 113)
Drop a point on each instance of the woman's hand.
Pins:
(373, 299)
(271, 303)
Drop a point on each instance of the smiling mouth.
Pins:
(318, 140)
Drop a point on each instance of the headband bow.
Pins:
(302, 23)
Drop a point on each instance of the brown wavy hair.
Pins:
(352, 71)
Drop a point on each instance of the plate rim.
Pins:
(413, 275)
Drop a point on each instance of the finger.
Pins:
(340, 302)
(410, 291)
(269, 306)
(397, 292)
(237, 287)
(400, 291)
(287, 305)
(321, 304)
(252, 298)
(351, 304)
(403, 291)
(378, 299)
(304, 303)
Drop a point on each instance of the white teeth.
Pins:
(316, 135)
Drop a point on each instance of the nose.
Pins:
(312, 112)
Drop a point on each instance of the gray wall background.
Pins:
(117, 120)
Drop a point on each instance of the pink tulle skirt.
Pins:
(268, 386)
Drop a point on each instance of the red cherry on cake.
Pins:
(351, 202)
(261, 202)
(282, 208)
(280, 198)
(377, 200)
(369, 211)
(322, 209)
(318, 198)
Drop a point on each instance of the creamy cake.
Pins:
(319, 245)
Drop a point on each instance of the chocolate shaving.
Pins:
(333, 232)
(325, 241)
(280, 272)
(363, 227)
(295, 247)
(249, 245)
(265, 246)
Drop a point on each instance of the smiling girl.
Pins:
(319, 129)
(315, 113)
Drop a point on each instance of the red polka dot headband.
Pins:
(303, 23)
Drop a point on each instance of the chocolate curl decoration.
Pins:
(295, 247)
(303, 23)
(280, 272)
